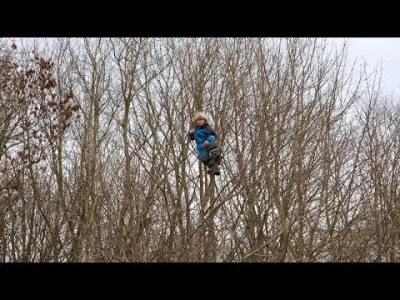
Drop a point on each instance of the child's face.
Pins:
(200, 121)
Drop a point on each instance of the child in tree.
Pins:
(204, 135)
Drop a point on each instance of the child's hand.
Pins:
(205, 145)
(191, 130)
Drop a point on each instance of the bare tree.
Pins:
(95, 164)
(31, 123)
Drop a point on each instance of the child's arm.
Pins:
(190, 134)
(212, 137)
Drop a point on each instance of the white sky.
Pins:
(378, 52)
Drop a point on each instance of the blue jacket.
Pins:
(201, 134)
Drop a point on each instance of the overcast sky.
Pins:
(375, 51)
(385, 51)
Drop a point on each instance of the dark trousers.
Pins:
(213, 158)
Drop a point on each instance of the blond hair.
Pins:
(198, 116)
